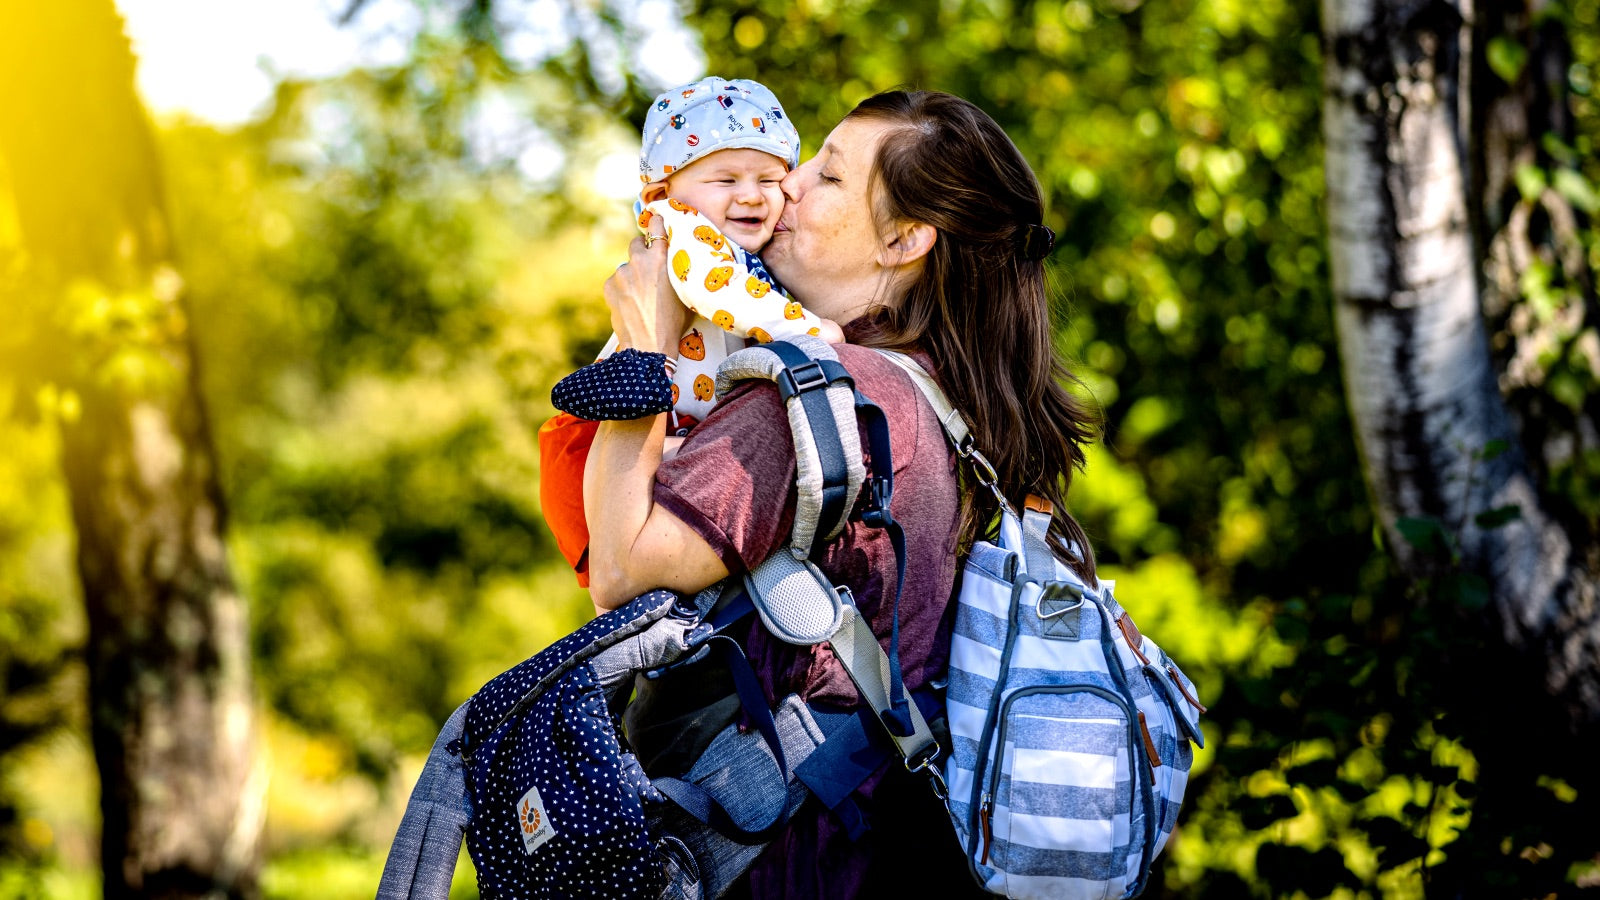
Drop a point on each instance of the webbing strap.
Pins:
(955, 426)
(863, 658)
(877, 515)
(1041, 562)
(706, 809)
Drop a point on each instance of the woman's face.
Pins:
(827, 248)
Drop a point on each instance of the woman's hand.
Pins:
(634, 545)
(645, 311)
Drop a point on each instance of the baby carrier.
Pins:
(1066, 772)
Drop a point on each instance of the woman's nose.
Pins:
(790, 185)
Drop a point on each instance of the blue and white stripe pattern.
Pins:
(1054, 714)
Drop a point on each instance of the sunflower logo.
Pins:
(531, 819)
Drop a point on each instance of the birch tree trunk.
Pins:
(171, 705)
(1431, 422)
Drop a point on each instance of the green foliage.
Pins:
(1178, 145)
(382, 301)
(379, 452)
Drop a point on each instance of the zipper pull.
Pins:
(1149, 743)
(985, 821)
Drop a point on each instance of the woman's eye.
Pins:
(829, 178)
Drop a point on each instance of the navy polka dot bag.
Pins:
(557, 801)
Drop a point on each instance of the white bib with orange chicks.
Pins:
(734, 301)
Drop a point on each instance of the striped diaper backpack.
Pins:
(1071, 732)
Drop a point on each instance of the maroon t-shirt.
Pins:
(732, 482)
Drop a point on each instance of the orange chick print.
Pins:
(680, 265)
(755, 287)
(693, 346)
(680, 206)
(792, 310)
(705, 234)
(703, 387)
(760, 335)
(722, 319)
(674, 395)
(644, 220)
(718, 278)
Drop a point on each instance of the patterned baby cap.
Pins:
(699, 118)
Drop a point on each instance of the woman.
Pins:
(917, 227)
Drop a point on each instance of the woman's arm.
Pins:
(635, 546)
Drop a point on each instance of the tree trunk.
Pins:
(1437, 439)
(171, 705)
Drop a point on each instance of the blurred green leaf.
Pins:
(1571, 184)
(1506, 58)
(1531, 181)
(1424, 534)
(1500, 515)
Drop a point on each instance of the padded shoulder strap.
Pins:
(819, 396)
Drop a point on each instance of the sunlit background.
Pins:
(389, 224)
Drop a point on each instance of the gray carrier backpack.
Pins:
(534, 771)
(1068, 730)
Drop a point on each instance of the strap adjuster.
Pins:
(876, 512)
(801, 378)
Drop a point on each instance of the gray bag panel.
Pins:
(725, 771)
(422, 859)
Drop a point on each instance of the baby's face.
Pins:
(738, 190)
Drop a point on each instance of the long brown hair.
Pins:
(979, 309)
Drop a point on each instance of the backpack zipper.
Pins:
(980, 828)
(986, 825)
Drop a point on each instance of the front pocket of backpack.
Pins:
(1062, 792)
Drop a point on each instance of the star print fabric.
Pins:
(628, 384)
(557, 801)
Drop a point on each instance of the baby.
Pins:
(714, 153)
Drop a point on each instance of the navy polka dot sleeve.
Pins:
(628, 384)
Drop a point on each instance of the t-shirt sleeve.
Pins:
(732, 481)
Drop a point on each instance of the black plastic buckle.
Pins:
(876, 514)
(801, 378)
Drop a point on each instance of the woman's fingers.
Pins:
(633, 294)
(657, 231)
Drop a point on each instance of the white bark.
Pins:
(1416, 360)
